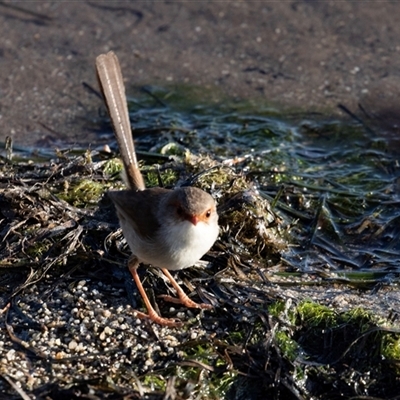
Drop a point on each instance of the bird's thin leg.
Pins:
(183, 298)
(152, 314)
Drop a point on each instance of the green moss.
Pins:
(154, 381)
(316, 315)
(287, 345)
(276, 308)
(167, 178)
(173, 149)
(207, 383)
(391, 347)
(200, 383)
(84, 193)
(360, 316)
(236, 337)
(113, 167)
(310, 314)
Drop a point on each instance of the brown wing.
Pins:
(139, 207)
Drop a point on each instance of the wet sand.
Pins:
(294, 55)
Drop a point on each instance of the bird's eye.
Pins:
(208, 214)
(179, 210)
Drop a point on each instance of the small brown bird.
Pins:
(169, 229)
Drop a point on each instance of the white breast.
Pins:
(176, 247)
(188, 242)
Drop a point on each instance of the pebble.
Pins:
(82, 327)
(72, 345)
(10, 356)
(193, 335)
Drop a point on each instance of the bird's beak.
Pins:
(194, 219)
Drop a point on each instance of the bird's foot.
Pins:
(184, 300)
(170, 322)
